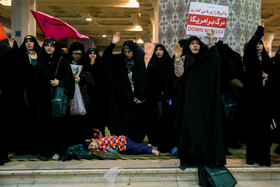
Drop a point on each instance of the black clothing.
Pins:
(5, 128)
(198, 108)
(33, 110)
(79, 125)
(56, 131)
(123, 114)
(232, 77)
(159, 95)
(95, 108)
(275, 79)
(256, 103)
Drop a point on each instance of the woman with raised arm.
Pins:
(257, 114)
(125, 78)
(198, 105)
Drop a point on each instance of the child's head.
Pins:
(90, 144)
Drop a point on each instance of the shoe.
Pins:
(55, 157)
(183, 166)
(250, 162)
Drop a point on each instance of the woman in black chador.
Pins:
(159, 94)
(95, 108)
(80, 123)
(34, 103)
(257, 114)
(56, 72)
(198, 105)
(125, 78)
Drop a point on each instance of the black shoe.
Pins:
(250, 162)
(183, 166)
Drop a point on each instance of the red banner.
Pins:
(55, 28)
(3, 34)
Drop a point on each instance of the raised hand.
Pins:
(261, 22)
(116, 37)
(12, 41)
(177, 51)
(210, 36)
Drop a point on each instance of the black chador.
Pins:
(198, 108)
(124, 81)
(159, 100)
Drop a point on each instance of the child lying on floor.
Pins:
(118, 144)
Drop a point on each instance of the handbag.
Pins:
(77, 103)
(59, 100)
(217, 176)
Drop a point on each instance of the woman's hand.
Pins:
(177, 51)
(12, 41)
(265, 76)
(137, 101)
(116, 37)
(54, 82)
(210, 36)
(77, 79)
(92, 61)
(261, 22)
(32, 55)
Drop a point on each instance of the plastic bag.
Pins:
(112, 174)
(77, 103)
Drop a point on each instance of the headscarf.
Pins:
(44, 57)
(33, 39)
(189, 56)
(131, 45)
(165, 57)
(159, 72)
(77, 47)
(96, 67)
(98, 57)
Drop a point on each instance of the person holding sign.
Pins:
(198, 105)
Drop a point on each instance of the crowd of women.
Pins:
(202, 100)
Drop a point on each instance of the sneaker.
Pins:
(55, 156)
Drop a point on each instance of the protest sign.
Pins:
(204, 17)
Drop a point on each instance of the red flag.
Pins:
(3, 34)
(55, 28)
